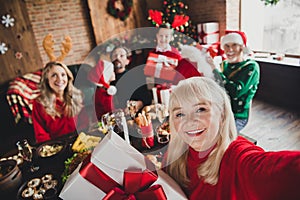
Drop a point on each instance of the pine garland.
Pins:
(116, 12)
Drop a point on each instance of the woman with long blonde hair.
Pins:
(55, 111)
(207, 158)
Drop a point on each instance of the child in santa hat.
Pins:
(101, 75)
(185, 68)
(239, 75)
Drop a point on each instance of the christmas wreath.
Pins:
(116, 12)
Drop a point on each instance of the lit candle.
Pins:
(165, 96)
(154, 92)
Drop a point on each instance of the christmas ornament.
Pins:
(7, 20)
(116, 12)
(18, 55)
(3, 48)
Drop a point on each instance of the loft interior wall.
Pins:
(87, 23)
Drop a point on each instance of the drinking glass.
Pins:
(161, 112)
(162, 135)
(131, 107)
(107, 121)
(25, 151)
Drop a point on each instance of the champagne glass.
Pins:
(161, 112)
(131, 107)
(25, 151)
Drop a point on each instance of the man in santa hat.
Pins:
(239, 75)
(102, 75)
(131, 84)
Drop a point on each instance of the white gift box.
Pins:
(208, 27)
(112, 156)
(208, 32)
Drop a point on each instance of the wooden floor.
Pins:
(274, 128)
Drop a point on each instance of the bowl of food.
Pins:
(10, 176)
(51, 149)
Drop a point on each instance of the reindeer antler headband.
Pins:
(156, 17)
(48, 47)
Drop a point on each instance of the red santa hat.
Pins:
(237, 37)
(101, 74)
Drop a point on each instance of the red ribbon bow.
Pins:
(136, 183)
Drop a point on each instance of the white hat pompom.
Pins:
(111, 90)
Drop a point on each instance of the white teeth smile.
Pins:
(195, 132)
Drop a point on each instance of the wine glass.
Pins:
(107, 121)
(161, 112)
(131, 107)
(25, 151)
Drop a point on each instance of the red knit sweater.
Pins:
(248, 172)
(47, 128)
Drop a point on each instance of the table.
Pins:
(54, 166)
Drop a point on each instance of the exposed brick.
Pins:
(61, 18)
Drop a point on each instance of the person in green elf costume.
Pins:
(238, 74)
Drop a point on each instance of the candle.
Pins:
(165, 96)
(154, 92)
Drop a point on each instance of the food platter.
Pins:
(39, 187)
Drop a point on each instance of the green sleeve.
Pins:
(241, 82)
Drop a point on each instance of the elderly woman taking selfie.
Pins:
(56, 110)
(207, 158)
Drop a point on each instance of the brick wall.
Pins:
(61, 18)
(226, 12)
(71, 17)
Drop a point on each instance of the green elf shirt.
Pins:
(241, 82)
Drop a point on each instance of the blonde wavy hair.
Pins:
(73, 97)
(192, 90)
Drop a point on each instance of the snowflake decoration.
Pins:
(18, 55)
(7, 20)
(3, 48)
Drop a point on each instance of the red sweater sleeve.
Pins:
(264, 175)
(248, 172)
(38, 122)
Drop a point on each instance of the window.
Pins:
(273, 28)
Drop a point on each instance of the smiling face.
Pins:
(196, 123)
(164, 36)
(234, 52)
(57, 79)
(119, 59)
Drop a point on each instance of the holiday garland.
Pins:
(116, 12)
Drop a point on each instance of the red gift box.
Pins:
(137, 183)
(160, 66)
